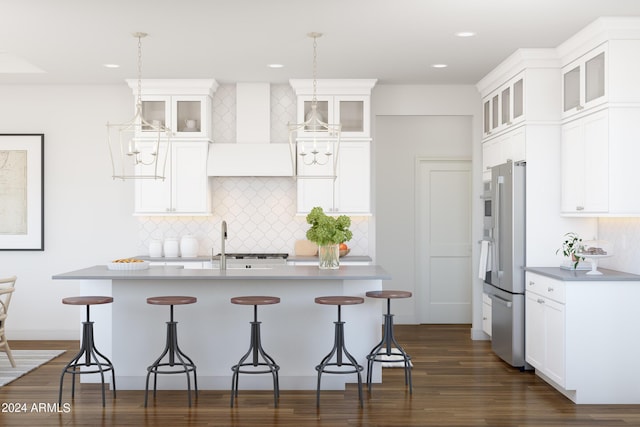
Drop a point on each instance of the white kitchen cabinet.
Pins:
(352, 111)
(185, 189)
(585, 164)
(545, 326)
(578, 333)
(349, 193)
(486, 314)
(183, 105)
(504, 107)
(510, 145)
(347, 102)
(584, 82)
(599, 155)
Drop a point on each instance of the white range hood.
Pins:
(252, 154)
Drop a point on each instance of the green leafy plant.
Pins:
(328, 230)
(571, 245)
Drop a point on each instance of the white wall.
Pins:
(87, 215)
(438, 121)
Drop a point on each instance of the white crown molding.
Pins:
(519, 60)
(599, 31)
(333, 86)
(175, 86)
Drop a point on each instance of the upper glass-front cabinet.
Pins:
(185, 115)
(351, 111)
(504, 107)
(584, 82)
(184, 106)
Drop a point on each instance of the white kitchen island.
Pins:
(297, 333)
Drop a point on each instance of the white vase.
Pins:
(188, 246)
(171, 247)
(155, 248)
(329, 257)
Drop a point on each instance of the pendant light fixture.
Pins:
(315, 143)
(138, 148)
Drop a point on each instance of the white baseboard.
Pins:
(43, 335)
(479, 335)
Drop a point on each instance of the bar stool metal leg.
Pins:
(92, 357)
(255, 350)
(385, 348)
(174, 352)
(339, 350)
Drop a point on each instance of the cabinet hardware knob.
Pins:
(579, 208)
(540, 301)
(549, 289)
(531, 283)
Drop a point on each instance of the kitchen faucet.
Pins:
(223, 237)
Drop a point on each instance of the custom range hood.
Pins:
(252, 154)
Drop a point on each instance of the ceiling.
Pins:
(395, 41)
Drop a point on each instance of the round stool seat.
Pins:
(339, 300)
(389, 294)
(87, 300)
(255, 300)
(171, 300)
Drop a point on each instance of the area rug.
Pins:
(26, 361)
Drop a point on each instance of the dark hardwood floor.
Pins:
(457, 382)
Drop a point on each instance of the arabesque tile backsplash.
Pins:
(261, 217)
(624, 234)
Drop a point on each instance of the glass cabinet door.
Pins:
(506, 106)
(155, 111)
(594, 78)
(487, 117)
(351, 115)
(188, 116)
(572, 89)
(494, 112)
(518, 99)
(322, 109)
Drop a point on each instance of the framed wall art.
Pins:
(22, 192)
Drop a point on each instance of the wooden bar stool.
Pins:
(384, 349)
(255, 350)
(183, 364)
(88, 356)
(339, 350)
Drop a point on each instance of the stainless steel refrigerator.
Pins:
(504, 282)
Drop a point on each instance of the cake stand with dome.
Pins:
(593, 250)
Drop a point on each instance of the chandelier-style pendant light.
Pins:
(138, 148)
(315, 142)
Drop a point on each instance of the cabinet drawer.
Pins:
(546, 286)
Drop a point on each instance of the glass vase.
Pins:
(329, 256)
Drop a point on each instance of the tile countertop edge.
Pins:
(100, 272)
(581, 275)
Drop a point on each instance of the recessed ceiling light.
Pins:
(111, 66)
(465, 34)
(439, 65)
(275, 65)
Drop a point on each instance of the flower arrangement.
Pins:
(328, 230)
(571, 245)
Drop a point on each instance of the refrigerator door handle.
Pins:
(497, 261)
(496, 298)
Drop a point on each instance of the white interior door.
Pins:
(443, 225)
